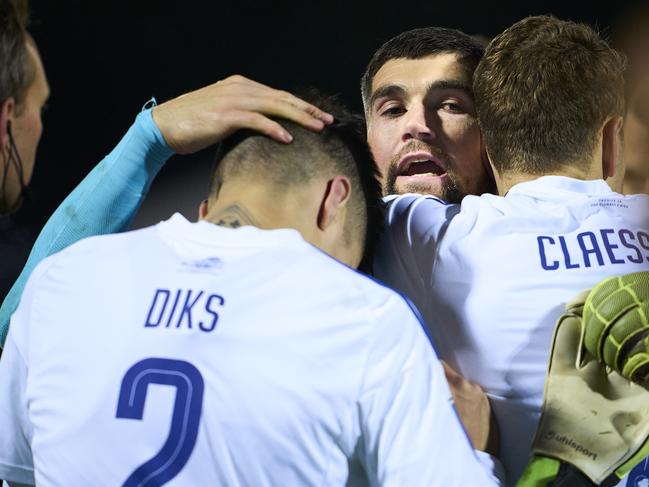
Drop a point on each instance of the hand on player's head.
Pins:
(206, 116)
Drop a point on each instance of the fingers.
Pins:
(452, 377)
(285, 96)
(256, 97)
(306, 107)
(264, 125)
(203, 117)
(286, 109)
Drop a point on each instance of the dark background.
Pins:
(104, 60)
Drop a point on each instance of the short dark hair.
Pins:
(340, 148)
(420, 43)
(16, 70)
(543, 90)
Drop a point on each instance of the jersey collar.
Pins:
(246, 236)
(560, 185)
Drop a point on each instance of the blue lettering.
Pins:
(544, 260)
(628, 245)
(215, 315)
(609, 246)
(643, 240)
(187, 309)
(593, 250)
(566, 254)
(158, 292)
(173, 308)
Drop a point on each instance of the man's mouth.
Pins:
(420, 163)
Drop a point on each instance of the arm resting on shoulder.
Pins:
(104, 202)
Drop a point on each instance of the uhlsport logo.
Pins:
(570, 443)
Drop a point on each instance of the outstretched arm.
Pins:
(108, 198)
(104, 202)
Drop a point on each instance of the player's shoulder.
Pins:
(379, 299)
(437, 208)
(107, 243)
(639, 199)
(98, 247)
(424, 211)
(394, 320)
(409, 201)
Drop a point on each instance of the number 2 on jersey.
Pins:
(176, 450)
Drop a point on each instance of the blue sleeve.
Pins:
(104, 202)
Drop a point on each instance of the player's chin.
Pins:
(422, 183)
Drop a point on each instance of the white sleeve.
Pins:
(407, 250)
(16, 460)
(411, 432)
(16, 464)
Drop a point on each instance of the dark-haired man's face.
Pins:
(422, 128)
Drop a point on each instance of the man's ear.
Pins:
(611, 145)
(203, 209)
(492, 171)
(6, 115)
(485, 160)
(338, 191)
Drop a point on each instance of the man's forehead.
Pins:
(418, 74)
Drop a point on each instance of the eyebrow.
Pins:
(451, 84)
(387, 91)
(394, 91)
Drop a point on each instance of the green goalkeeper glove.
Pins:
(594, 425)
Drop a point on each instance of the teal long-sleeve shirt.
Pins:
(104, 202)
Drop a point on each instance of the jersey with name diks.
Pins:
(492, 275)
(192, 354)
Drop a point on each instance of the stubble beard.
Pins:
(450, 191)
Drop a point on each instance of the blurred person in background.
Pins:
(23, 94)
(631, 36)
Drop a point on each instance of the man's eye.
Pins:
(392, 111)
(452, 107)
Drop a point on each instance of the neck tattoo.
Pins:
(234, 216)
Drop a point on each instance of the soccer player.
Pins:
(420, 114)
(411, 71)
(436, 116)
(437, 65)
(491, 276)
(108, 198)
(232, 350)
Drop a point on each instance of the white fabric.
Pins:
(476, 273)
(313, 374)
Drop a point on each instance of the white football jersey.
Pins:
(492, 275)
(191, 354)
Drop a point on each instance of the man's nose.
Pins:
(417, 125)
